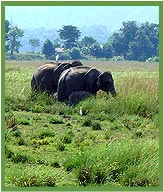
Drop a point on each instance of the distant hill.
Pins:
(98, 32)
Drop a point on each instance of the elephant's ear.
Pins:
(58, 72)
(91, 80)
(100, 80)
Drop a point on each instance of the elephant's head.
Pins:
(105, 82)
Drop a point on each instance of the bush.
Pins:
(65, 56)
(118, 58)
(75, 53)
(27, 56)
(153, 60)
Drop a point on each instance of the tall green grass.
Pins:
(114, 143)
(118, 162)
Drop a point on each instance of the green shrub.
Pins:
(27, 56)
(65, 56)
(75, 53)
(118, 58)
(152, 60)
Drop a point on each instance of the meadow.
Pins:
(114, 144)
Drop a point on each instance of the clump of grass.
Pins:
(56, 120)
(84, 176)
(45, 133)
(11, 120)
(60, 146)
(138, 133)
(17, 157)
(33, 180)
(8, 152)
(96, 125)
(87, 122)
(21, 141)
(107, 134)
(42, 141)
(20, 158)
(24, 121)
(67, 138)
(79, 138)
(16, 133)
(55, 164)
(115, 163)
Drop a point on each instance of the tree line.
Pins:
(132, 41)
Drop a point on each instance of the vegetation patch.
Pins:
(115, 143)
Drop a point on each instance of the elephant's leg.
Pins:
(61, 91)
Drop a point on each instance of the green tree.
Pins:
(48, 49)
(140, 48)
(145, 43)
(13, 44)
(96, 50)
(70, 34)
(7, 28)
(107, 50)
(57, 43)
(128, 31)
(135, 42)
(85, 45)
(75, 53)
(116, 40)
(34, 43)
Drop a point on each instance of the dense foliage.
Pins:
(133, 41)
(70, 34)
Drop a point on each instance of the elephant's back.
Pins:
(45, 69)
(48, 66)
(80, 69)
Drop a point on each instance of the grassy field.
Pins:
(114, 144)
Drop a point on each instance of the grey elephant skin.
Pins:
(77, 96)
(45, 77)
(84, 78)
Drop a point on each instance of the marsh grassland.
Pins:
(114, 144)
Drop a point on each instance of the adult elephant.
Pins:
(84, 78)
(45, 77)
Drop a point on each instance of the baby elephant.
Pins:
(77, 96)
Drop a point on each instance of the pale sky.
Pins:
(56, 16)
